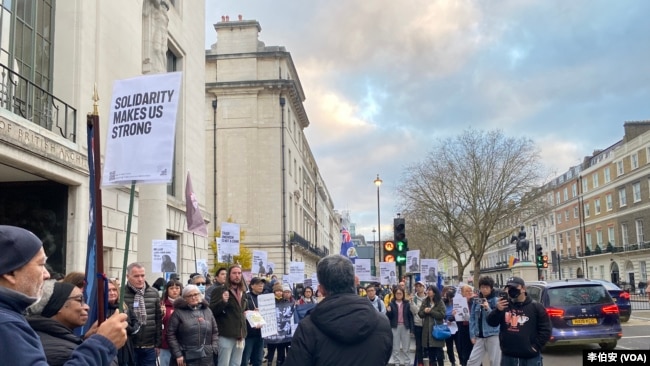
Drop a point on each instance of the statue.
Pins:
(154, 36)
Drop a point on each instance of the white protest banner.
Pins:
(461, 307)
(314, 281)
(296, 272)
(230, 238)
(362, 269)
(141, 129)
(270, 266)
(164, 255)
(260, 262)
(266, 306)
(429, 270)
(388, 273)
(202, 266)
(413, 261)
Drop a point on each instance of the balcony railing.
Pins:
(304, 243)
(26, 99)
(619, 249)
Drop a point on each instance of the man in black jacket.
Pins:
(525, 326)
(143, 300)
(343, 327)
(254, 346)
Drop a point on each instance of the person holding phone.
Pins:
(524, 326)
(484, 337)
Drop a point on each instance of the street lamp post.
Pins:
(374, 250)
(378, 183)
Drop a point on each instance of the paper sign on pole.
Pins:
(413, 261)
(164, 255)
(362, 269)
(266, 306)
(429, 268)
(230, 239)
(260, 262)
(141, 130)
(296, 272)
(388, 273)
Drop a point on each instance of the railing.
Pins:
(302, 242)
(619, 249)
(26, 99)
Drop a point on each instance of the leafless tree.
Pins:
(466, 186)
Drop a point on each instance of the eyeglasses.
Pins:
(200, 283)
(79, 299)
(193, 295)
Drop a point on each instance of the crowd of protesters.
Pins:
(208, 324)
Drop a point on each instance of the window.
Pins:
(568, 239)
(619, 168)
(602, 272)
(560, 237)
(585, 188)
(599, 238)
(557, 197)
(559, 218)
(644, 270)
(636, 192)
(552, 217)
(639, 230)
(566, 215)
(566, 193)
(550, 199)
(594, 180)
(597, 206)
(575, 212)
(290, 166)
(608, 202)
(588, 241)
(574, 190)
(610, 235)
(634, 159)
(624, 235)
(607, 174)
(577, 237)
(586, 208)
(622, 197)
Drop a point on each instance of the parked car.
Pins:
(621, 298)
(581, 312)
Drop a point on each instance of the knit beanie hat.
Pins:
(18, 247)
(55, 294)
(277, 287)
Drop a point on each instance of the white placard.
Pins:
(230, 238)
(260, 262)
(388, 273)
(266, 306)
(296, 272)
(461, 307)
(314, 281)
(362, 269)
(270, 268)
(164, 255)
(429, 268)
(413, 261)
(202, 266)
(141, 129)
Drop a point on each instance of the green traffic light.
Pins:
(400, 246)
(400, 259)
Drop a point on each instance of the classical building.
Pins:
(594, 225)
(260, 170)
(52, 57)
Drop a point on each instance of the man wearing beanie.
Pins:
(22, 274)
(60, 310)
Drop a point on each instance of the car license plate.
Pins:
(586, 321)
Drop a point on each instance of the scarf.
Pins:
(138, 303)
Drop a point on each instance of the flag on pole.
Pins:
(195, 221)
(347, 246)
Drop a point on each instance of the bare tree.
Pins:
(467, 185)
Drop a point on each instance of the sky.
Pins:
(385, 80)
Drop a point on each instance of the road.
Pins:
(636, 335)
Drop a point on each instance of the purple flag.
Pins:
(195, 221)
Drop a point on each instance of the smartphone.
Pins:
(503, 295)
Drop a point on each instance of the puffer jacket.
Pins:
(416, 302)
(191, 328)
(478, 315)
(229, 315)
(150, 333)
(58, 341)
(435, 316)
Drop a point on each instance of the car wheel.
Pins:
(607, 346)
(625, 319)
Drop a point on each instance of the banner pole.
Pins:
(196, 268)
(126, 246)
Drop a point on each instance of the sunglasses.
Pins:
(200, 283)
(79, 299)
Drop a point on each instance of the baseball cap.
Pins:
(514, 281)
(256, 280)
(420, 283)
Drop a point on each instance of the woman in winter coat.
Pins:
(192, 327)
(307, 297)
(432, 312)
(401, 321)
(125, 355)
(172, 292)
(448, 294)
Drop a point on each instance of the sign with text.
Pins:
(260, 262)
(141, 129)
(413, 261)
(266, 307)
(296, 272)
(429, 270)
(230, 238)
(164, 255)
(362, 269)
(388, 273)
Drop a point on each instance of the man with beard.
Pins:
(343, 327)
(22, 274)
(228, 304)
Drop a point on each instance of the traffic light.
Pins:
(545, 261)
(389, 251)
(401, 243)
(539, 256)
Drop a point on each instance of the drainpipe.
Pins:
(284, 189)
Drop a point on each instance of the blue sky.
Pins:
(385, 80)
